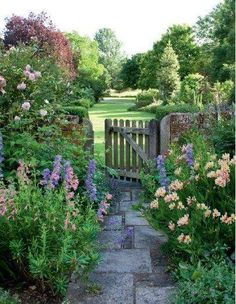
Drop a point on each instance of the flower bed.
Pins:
(192, 201)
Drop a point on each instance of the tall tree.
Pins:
(216, 34)
(130, 71)
(111, 55)
(168, 76)
(87, 55)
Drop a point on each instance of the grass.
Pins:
(112, 108)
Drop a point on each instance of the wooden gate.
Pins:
(130, 144)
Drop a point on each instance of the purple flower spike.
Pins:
(188, 154)
(46, 177)
(164, 181)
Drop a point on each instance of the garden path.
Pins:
(133, 270)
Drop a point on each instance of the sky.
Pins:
(137, 23)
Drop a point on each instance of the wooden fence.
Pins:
(130, 144)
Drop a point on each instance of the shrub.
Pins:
(194, 90)
(50, 229)
(76, 110)
(213, 283)
(39, 29)
(32, 79)
(162, 111)
(224, 137)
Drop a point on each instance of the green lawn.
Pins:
(112, 108)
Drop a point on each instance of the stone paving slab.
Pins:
(134, 218)
(153, 295)
(147, 237)
(126, 261)
(126, 206)
(113, 222)
(126, 196)
(115, 289)
(110, 239)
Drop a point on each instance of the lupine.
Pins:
(90, 186)
(188, 154)
(71, 180)
(46, 177)
(164, 180)
(1, 155)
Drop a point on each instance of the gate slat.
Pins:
(115, 122)
(122, 153)
(127, 165)
(108, 143)
(134, 154)
(146, 142)
(140, 142)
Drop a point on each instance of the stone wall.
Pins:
(174, 125)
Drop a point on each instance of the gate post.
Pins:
(108, 143)
(153, 138)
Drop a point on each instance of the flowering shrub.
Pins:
(38, 29)
(194, 202)
(30, 86)
(197, 208)
(49, 231)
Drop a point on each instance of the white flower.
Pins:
(17, 118)
(43, 112)
(46, 101)
(26, 105)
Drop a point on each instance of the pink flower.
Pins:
(154, 204)
(109, 196)
(32, 77)
(171, 226)
(183, 220)
(176, 185)
(160, 192)
(21, 86)
(186, 239)
(26, 105)
(220, 181)
(37, 74)
(70, 195)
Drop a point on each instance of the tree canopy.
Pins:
(111, 55)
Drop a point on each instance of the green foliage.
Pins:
(167, 76)
(6, 298)
(110, 54)
(88, 55)
(148, 67)
(223, 92)
(162, 111)
(216, 32)
(131, 71)
(47, 235)
(40, 146)
(223, 137)
(182, 39)
(213, 283)
(92, 74)
(195, 90)
(76, 110)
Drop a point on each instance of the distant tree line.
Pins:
(191, 61)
